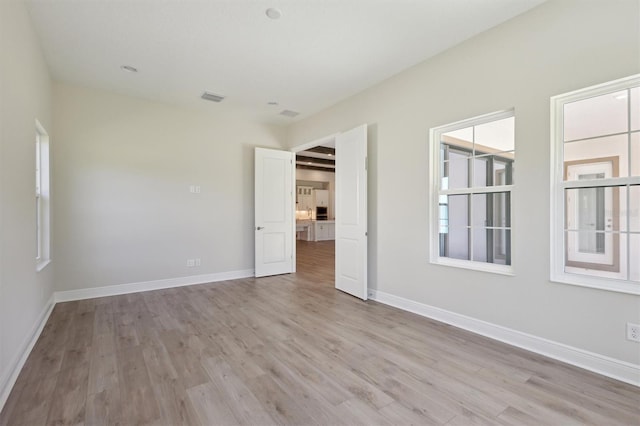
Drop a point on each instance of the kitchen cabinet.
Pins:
(324, 230)
(304, 198)
(304, 230)
(321, 198)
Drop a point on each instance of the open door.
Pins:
(351, 212)
(274, 220)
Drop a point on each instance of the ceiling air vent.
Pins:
(212, 97)
(289, 113)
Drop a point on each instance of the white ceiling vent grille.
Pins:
(289, 113)
(212, 97)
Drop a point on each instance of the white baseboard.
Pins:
(610, 367)
(9, 378)
(114, 290)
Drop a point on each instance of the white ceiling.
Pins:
(318, 53)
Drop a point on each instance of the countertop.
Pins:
(303, 222)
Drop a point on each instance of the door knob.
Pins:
(259, 228)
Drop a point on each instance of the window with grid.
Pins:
(472, 176)
(42, 198)
(596, 194)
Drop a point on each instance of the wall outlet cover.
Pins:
(633, 332)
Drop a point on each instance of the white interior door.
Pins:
(351, 212)
(274, 224)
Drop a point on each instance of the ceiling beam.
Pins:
(322, 169)
(323, 150)
(315, 160)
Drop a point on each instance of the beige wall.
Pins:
(122, 172)
(555, 48)
(25, 96)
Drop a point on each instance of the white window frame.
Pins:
(42, 198)
(435, 192)
(558, 187)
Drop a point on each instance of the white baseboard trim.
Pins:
(9, 378)
(114, 290)
(610, 367)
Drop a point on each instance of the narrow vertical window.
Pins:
(473, 163)
(42, 197)
(596, 195)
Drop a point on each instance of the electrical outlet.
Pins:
(191, 263)
(198, 262)
(633, 332)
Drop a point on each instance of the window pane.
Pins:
(480, 238)
(503, 168)
(458, 211)
(634, 209)
(595, 209)
(456, 244)
(456, 149)
(481, 173)
(495, 136)
(635, 154)
(452, 149)
(635, 108)
(492, 245)
(443, 214)
(585, 118)
(596, 253)
(491, 210)
(454, 232)
(501, 246)
(456, 136)
(455, 174)
(493, 170)
(634, 254)
(609, 154)
(475, 156)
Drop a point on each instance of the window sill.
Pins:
(628, 287)
(475, 266)
(41, 264)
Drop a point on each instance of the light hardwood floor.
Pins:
(291, 350)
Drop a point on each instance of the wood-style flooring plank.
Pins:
(291, 350)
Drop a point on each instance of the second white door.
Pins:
(351, 212)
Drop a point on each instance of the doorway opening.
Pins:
(315, 211)
(275, 229)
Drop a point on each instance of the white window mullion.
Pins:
(42, 198)
(470, 183)
(460, 137)
(592, 252)
(592, 183)
(482, 190)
